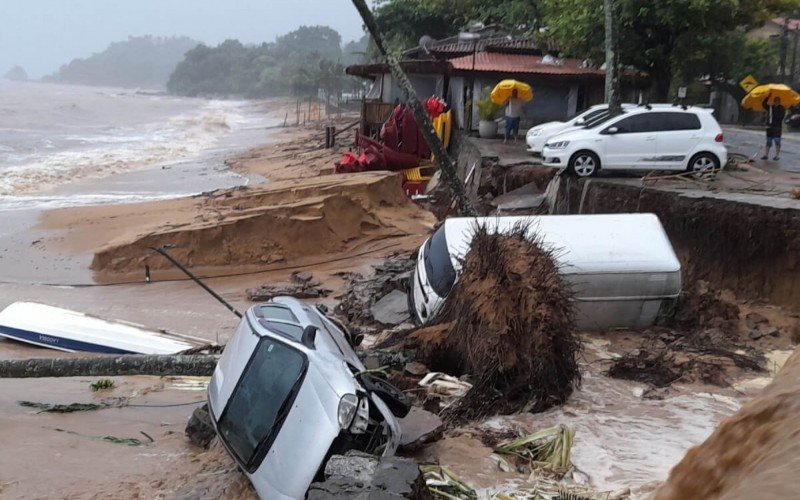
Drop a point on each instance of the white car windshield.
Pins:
(261, 400)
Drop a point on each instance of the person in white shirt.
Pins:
(513, 114)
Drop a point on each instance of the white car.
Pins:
(289, 391)
(538, 135)
(645, 137)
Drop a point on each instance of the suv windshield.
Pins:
(438, 267)
(261, 400)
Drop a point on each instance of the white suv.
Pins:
(647, 137)
(538, 135)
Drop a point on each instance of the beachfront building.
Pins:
(459, 67)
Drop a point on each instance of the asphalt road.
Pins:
(751, 141)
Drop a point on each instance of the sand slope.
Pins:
(279, 222)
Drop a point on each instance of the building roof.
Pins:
(794, 24)
(522, 63)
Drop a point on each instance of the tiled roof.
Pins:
(794, 24)
(520, 63)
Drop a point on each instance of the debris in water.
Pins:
(70, 408)
(102, 384)
(303, 286)
(508, 323)
(549, 448)
(356, 303)
(665, 357)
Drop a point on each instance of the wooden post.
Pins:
(285, 118)
(420, 115)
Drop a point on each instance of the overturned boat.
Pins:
(71, 331)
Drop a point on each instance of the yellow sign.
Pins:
(748, 83)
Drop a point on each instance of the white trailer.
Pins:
(621, 267)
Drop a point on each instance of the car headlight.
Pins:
(534, 132)
(348, 406)
(557, 145)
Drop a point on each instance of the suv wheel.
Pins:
(703, 163)
(584, 164)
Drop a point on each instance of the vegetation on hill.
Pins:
(305, 62)
(138, 62)
(16, 74)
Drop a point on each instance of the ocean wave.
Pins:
(118, 150)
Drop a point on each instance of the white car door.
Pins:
(630, 143)
(678, 135)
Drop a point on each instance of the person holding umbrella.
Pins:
(512, 94)
(775, 115)
(782, 97)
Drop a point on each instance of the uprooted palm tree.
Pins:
(508, 323)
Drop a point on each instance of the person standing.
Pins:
(775, 115)
(513, 115)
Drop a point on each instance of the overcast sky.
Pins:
(41, 35)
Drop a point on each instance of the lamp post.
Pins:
(473, 37)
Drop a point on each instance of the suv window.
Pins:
(682, 121)
(438, 266)
(642, 122)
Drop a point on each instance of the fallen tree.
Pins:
(508, 324)
(134, 364)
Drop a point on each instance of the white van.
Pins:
(621, 267)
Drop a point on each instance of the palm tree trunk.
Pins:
(420, 115)
(198, 365)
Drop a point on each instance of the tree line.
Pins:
(305, 62)
(675, 41)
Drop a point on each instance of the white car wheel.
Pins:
(703, 163)
(584, 164)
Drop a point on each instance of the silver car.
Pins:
(289, 391)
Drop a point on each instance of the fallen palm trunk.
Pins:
(199, 365)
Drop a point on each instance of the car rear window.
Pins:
(682, 121)
(261, 400)
(438, 266)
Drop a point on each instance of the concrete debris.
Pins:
(362, 293)
(357, 475)
(200, 430)
(302, 286)
(420, 427)
(392, 309)
(754, 319)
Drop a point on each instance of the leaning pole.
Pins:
(111, 366)
(420, 115)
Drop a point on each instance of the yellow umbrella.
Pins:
(755, 98)
(502, 91)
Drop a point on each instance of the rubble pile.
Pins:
(302, 286)
(363, 304)
(667, 356)
(508, 323)
(700, 307)
(360, 475)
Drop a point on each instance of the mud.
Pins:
(753, 250)
(753, 454)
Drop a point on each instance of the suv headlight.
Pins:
(348, 406)
(557, 145)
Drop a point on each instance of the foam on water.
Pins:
(52, 135)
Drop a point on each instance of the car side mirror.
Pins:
(612, 130)
(309, 336)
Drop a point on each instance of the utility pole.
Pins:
(793, 70)
(420, 115)
(784, 49)
(613, 97)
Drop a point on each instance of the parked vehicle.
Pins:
(538, 135)
(622, 267)
(646, 137)
(289, 391)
